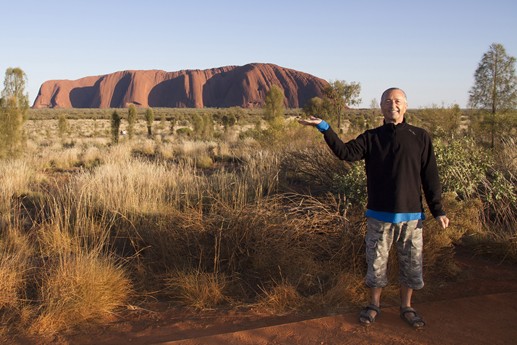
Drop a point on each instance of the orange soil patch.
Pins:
(478, 308)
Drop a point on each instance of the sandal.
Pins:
(416, 321)
(364, 316)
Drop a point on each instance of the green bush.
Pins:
(184, 131)
(463, 166)
(353, 185)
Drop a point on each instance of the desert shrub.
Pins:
(135, 186)
(15, 179)
(278, 134)
(115, 127)
(204, 162)
(131, 120)
(352, 185)
(184, 131)
(347, 292)
(470, 172)
(78, 289)
(146, 148)
(492, 129)
(91, 157)
(15, 251)
(149, 119)
(65, 159)
(12, 119)
(203, 126)
(76, 279)
(312, 166)
(280, 299)
(442, 122)
(462, 165)
(473, 173)
(62, 126)
(465, 216)
(201, 290)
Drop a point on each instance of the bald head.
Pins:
(390, 90)
(393, 105)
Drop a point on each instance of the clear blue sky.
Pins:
(429, 48)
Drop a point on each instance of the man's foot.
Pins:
(410, 315)
(368, 314)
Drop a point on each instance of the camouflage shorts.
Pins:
(408, 238)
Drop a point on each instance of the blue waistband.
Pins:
(394, 217)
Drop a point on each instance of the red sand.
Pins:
(479, 308)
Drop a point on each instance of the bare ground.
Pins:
(478, 308)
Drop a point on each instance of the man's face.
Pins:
(394, 106)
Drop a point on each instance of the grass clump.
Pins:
(78, 289)
(200, 290)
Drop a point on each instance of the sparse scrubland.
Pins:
(216, 208)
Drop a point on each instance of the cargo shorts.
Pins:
(408, 239)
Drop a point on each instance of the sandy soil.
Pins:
(479, 308)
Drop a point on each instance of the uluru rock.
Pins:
(245, 86)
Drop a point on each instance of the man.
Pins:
(399, 162)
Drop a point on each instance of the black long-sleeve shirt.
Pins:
(399, 162)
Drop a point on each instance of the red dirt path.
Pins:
(479, 308)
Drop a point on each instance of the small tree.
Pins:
(62, 125)
(14, 105)
(115, 127)
(163, 119)
(314, 107)
(495, 87)
(14, 87)
(340, 95)
(274, 106)
(131, 120)
(228, 120)
(149, 118)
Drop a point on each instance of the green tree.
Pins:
(149, 118)
(274, 105)
(495, 85)
(62, 125)
(203, 125)
(14, 87)
(163, 119)
(115, 127)
(131, 121)
(14, 105)
(228, 120)
(340, 95)
(314, 107)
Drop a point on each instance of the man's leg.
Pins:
(378, 242)
(409, 247)
(375, 299)
(405, 302)
(405, 296)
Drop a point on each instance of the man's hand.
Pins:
(443, 221)
(311, 121)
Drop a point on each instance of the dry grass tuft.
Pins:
(15, 178)
(15, 252)
(78, 289)
(349, 290)
(200, 290)
(281, 299)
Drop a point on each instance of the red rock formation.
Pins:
(244, 86)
